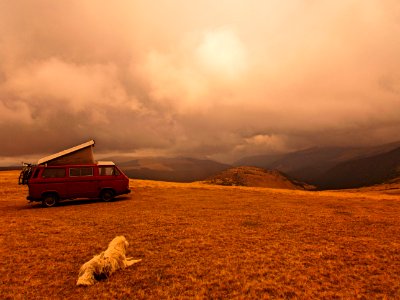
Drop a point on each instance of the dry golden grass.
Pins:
(205, 241)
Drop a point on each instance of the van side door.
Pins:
(82, 182)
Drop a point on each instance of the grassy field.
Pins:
(205, 241)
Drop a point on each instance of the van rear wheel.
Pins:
(49, 200)
(107, 195)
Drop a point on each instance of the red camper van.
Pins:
(50, 184)
(56, 178)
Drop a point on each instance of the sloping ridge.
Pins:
(256, 177)
(360, 172)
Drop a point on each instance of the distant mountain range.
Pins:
(181, 169)
(322, 167)
(10, 168)
(363, 171)
(335, 167)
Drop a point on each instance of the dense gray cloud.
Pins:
(200, 78)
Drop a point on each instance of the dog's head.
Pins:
(119, 242)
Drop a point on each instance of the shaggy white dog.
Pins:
(106, 263)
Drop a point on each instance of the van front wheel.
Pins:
(49, 200)
(107, 195)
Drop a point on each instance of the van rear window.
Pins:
(82, 171)
(53, 173)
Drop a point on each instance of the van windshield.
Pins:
(108, 171)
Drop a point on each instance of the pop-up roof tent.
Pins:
(81, 154)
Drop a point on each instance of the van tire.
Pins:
(49, 200)
(107, 195)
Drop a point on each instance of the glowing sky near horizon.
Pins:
(216, 79)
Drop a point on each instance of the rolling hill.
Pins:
(256, 177)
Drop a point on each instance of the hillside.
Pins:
(360, 172)
(204, 241)
(178, 169)
(391, 187)
(255, 177)
(312, 164)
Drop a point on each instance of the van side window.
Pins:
(82, 171)
(108, 171)
(53, 173)
(35, 175)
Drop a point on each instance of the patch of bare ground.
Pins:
(204, 241)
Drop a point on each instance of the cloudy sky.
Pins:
(217, 79)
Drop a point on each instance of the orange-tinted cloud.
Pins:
(204, 78)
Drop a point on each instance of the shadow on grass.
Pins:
(78, 201)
